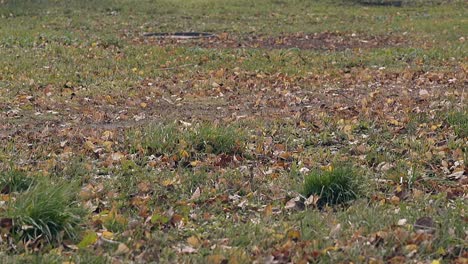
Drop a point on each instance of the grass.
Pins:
(217, 139)
(81, 258)
(193, 146)
(335, 186)
(376, 220)
(459, 121)
(15, 181)
(45, 211)
(169, 140)
(158, 139)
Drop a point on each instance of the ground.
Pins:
(119, 147)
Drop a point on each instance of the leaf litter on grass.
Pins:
(282, 106)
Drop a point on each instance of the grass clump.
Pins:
(459, 121)
(15, 181)
(217, 139)
(335, 186)
(170, 140)
(161, 139)
(45, 211)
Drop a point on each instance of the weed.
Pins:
(46, 211)
(336, 186)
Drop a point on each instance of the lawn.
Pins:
(326, 131)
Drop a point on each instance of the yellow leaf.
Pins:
(193, 241)
(106, 135)
(107, 145)
(395, 122)
(327, 168)
(324, 251)
(108, 234)
(348, 129)
(441, 251)
(89, 145)
(89, 239)
(184, 154)
(195, 163)
(411, 247)
(168, 182)
(294, 234)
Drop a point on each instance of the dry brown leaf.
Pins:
(196, 194)
(122, 249)
(193, 241)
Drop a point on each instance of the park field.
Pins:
(300, 131)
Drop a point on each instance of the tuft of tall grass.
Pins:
(204, 138)
(161, 139)
(336, 186)
(15, 181)
(45, 211)
(217, 139)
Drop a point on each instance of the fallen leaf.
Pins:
(6, 223)
(196, 194)
(117, 156)
(89, 145)
(89, 239)
(402, 222)
(424, 224)
(216, 259)
(267, 211)
(294, 234)
(312, 200)
(295, 203)
(424, 94)
(187, 250)
(108, 235)
(176, 219)
(122, 249)
(395, 200)
(456, 176)
(193, 241)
